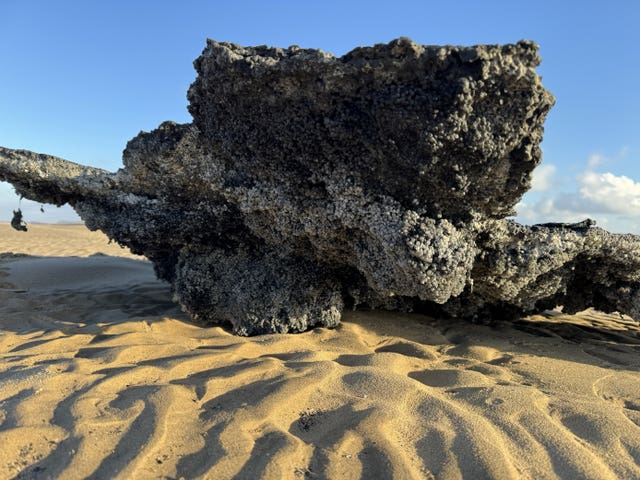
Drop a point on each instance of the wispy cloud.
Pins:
(595, 160)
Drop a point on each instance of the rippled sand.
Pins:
(102, 376)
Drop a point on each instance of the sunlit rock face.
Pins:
(308, 183)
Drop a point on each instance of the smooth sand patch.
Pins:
(59, 241)
(102, 376)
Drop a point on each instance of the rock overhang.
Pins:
(308, 182)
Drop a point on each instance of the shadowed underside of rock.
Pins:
(309, 183)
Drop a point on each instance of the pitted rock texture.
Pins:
(307, 184)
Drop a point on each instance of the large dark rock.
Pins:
(307, 183)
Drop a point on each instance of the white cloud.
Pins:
(606, 192)
(542, 178)
(612, 200)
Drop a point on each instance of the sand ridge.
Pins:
(102, 376)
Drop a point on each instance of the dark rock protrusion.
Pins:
(16, 221)
(307, 184)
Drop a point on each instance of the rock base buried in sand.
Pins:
(309, 183)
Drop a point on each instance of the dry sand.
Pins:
(101, 376)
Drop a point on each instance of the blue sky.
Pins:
(80, 78)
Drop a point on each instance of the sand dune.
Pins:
(102, 376)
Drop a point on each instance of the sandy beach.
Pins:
(102, 376)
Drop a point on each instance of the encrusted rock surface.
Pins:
(309, 183)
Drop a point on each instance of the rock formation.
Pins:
(307, 184)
